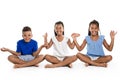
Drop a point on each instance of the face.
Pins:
(59, 29)
(27, 35)
(94, 29)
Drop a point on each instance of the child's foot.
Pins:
(36, 65)
(86, 64)
(103, 64)
(100, 64)
(17, 66)
(49, 66)
(70, 65)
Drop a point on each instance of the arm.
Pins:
(71, 44)
(109, 47)
(38, 51)
(79, 47)
(11, 51)
(47, 45)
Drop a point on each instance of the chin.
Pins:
(94, 34)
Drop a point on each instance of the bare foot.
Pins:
(49, 66)
(70, 65)
(103, 64)
(36, 65)
(100, 64)
(86, 64)
(17, 66)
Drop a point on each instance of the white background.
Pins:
(41, 16)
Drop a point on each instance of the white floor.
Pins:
(78, 72)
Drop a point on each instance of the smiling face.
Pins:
(59, 29)
(27, 35)
(93, 29)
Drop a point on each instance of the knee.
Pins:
(10, 57)
(47, 56)
(109, 58)
(78, 55)
(40, 58)
(74, 58)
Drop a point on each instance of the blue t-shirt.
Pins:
(95, 48)
(26, 48)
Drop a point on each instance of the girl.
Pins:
(95, 54)
(61, 55)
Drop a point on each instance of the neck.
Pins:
(94, 37)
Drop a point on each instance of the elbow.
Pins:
(79, 49)
(110, 50)
(72, 47)
(47, 47)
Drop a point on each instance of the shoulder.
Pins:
(20, 41)
(33, 41)
(87, 38)
(102, 37)
(53, 38)
(66, 38)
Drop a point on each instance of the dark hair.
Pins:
(26, 28)
(57, 23)
(92, 22)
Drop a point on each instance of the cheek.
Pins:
(97, 29)
(23, 37)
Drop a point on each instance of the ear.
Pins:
(31, 35)
(22, 35)
(98, 29)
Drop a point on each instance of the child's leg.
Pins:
(104, 59)
(52, 59)
(66, 61)
(87, 60)
(70, 64)
(15, 60)
(35, 61)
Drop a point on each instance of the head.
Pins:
(59, 28)
(27, 33)
(93, 28)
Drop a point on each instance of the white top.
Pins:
(60, 48)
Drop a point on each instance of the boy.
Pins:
(27, 51)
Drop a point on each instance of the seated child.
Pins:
(27, 53)
(95, 54)
(61, 56)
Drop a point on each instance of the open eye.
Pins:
(29, 35)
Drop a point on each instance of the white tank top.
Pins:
(60, 49)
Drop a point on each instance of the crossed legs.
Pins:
(20, 63)
(101, 61)
(58, 63)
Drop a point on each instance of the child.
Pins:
(27, 53)
(95, 54)
(61, 55)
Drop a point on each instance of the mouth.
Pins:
(94, 32)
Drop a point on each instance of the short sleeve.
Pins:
(18, 47)
(87, 38)
(102, 37)
(35, 46)
(66, 38)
